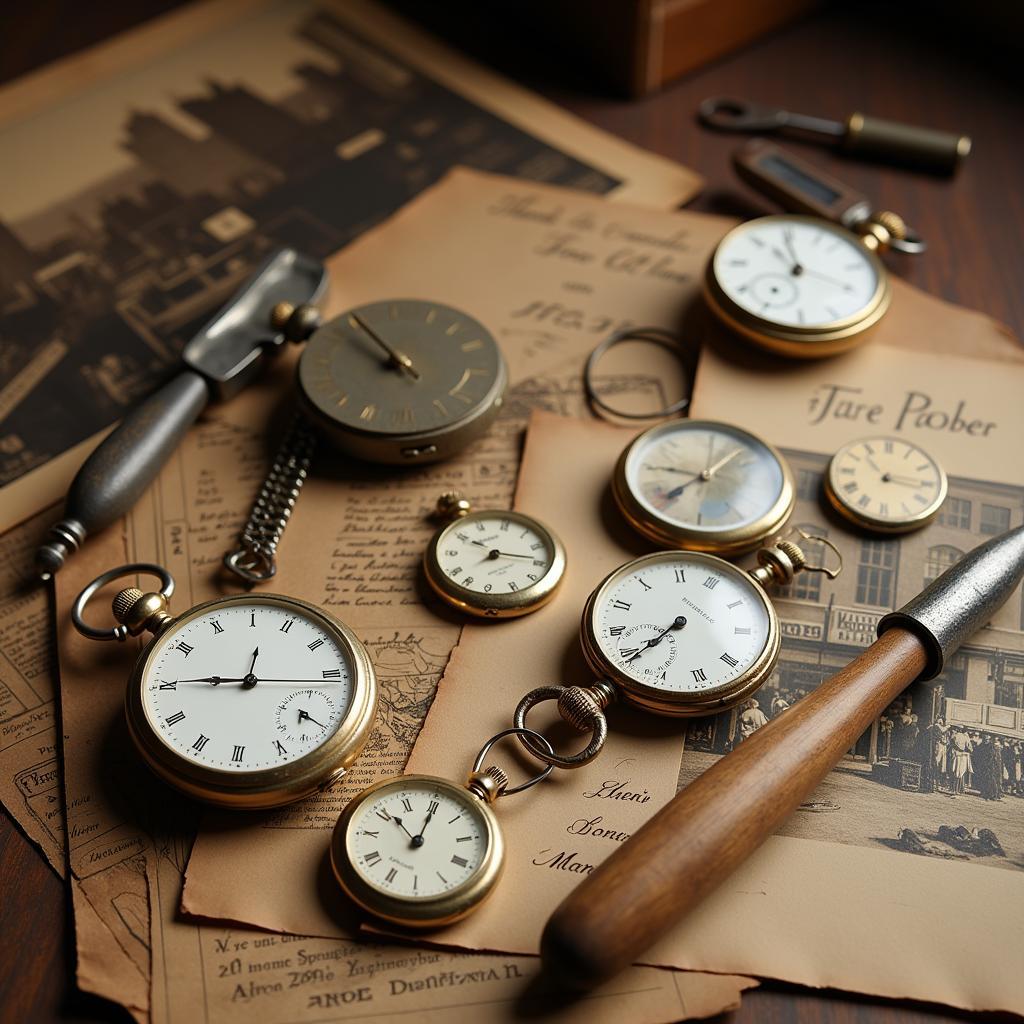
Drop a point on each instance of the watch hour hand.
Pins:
(397, 359)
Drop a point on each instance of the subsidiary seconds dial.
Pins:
(678, 630)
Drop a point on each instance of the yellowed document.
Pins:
(861, 887)
(29, 766)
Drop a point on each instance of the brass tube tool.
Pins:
(699, 838)
(221, 360)
(927, 149)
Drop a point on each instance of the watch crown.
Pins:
(137, 611)
(452, 505)
(488, 784)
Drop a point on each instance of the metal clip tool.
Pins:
(927, 149)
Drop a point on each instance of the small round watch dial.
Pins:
(247, 686)
(797, 272)
(416, 839)
(680, 622)
(704, 477)
(887, 483)
(493, 551)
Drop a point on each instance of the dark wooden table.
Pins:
(911, 62)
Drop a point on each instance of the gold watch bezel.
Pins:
(734, 541)
(654, 699)
(431, 911)
(270, 787)
(854, 515)
(801, 342)
(505, 604)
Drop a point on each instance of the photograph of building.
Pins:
(944, 765)
(100, 290)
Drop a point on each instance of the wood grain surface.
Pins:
(916, 62)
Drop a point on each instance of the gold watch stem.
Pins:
(139, 612)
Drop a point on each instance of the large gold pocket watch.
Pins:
(249, 701)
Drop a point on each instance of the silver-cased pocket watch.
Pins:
(402, 381)
(704, 486)
(422, 851)
(797, 285)
(492, 563)
(885, 485)
(249, 701)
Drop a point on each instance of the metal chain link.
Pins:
(254, 560)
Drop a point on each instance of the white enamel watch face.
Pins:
(885, 483)
(796, 272)
(488, 551)
(704, 485)
(495, 563)
(681, 623)
(416, 838)
(247, 686)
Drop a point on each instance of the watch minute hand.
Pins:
(398, 359)
(712, 470)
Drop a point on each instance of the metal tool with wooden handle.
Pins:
(701, 836)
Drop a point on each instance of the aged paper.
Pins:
(859, 888)
(127, 867)
(201, 141)
(29, 766)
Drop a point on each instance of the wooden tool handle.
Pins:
(700, 837)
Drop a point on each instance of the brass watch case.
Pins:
(810, 342)
(864, 521)
(504, 604)
(728, 542)
(679, 704)
(270, 787)
(431, 911)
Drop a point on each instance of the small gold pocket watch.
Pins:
(249, 701)
(492, 563)
(704, 486)
(421, 851)
(885, 484)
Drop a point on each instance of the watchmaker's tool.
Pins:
(218, 363)
(927, 149)
(249, 701)
(701, 836)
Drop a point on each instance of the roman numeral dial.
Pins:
(886, 484)
(677, 625)
(249, 684)
(429, 837)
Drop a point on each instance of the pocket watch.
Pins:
(797, 285)
(704, 486)
(421, 851)
(249, 701)
(885, 484)
(400, 382)
(676, 633)
(492, 563)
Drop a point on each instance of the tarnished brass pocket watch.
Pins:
(249, 701)
(493, 563)
(704, 486)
